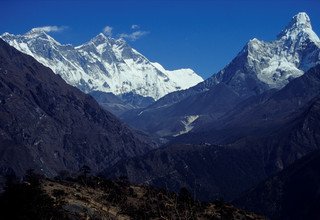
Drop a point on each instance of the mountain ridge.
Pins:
(49, 126)
(259, 67)
(227, 169)
(103, 64)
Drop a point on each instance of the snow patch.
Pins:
(187, 122)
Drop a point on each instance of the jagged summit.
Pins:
(36, 32)
(299, 29)
(259, 67)
(100, 38)
(102, 64)
(6, 34)
(102, 35)
(301, 20)
(299, 26)
(299, 23)
(275, 63)
(262, 65)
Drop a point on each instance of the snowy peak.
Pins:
(301, 20)
(38, 33)
(299, 29)
(253, 45)
(102, 64)
(296, 50)
(273, 64)
(299, 23)
(100, 39)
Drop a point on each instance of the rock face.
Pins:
(103, 64)
(48, 125)
(259, 67)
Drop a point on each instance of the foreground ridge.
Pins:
(88, 197)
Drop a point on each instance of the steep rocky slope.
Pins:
(48, 125)
(291, 194)
(214, 171)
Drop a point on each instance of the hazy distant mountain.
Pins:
(103, 64)
(259, 67)
(48, 125)
(119, 104)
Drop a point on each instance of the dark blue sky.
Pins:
(203, 35)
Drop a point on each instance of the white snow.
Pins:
(104, 64)
(187, 122)
(285, 58)
(189, 76)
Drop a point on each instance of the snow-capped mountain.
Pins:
(103, 64)
(274, 64)
(262, 65)
(259, 67)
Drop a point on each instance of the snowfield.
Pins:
(103, 64)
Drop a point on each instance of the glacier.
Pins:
(103, 64)
(275, 63)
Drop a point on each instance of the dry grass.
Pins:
(124, 201)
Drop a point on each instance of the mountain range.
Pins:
(259, 67)
(227, 136)
(103, 64)
(224, 163)
(248, 134)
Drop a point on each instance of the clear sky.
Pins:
(200, 34)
